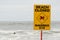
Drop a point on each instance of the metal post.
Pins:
(41, 35)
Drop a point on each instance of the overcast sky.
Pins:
(22, 10)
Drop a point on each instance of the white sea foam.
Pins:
(25, 31)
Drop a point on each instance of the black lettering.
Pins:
(42, 27)
(41, 24)
(42, 10)
(37, 6)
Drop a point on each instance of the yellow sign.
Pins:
(42, 17)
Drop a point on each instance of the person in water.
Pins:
(14, 33)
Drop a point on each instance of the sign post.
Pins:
(41, 35)
(42, 17)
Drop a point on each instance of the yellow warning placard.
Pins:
(42, 17)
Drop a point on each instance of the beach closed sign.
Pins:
(42, 17)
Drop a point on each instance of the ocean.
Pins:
(24, 31)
